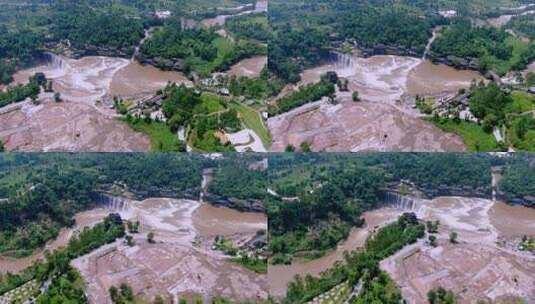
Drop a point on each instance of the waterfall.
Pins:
(494, 186)
(114, 204)
(344, 64)
(399, 201)
(55, 61)
(206, 177)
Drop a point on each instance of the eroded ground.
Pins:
(363, 126)
(181, 262)
(250, 67)
(82, 121)
(386, 120)
(66, 126)
(483, 265)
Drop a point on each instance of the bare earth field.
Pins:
(386, 120)
(364, 126)
(81, 122)
(67, 126)
(182, 262)
(250, 67)
(483, 265)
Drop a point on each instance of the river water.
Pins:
(83, 219)
(156, 213)
(478, 221)
(280, 275)
(388, 78)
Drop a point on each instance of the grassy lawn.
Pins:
(252, 120)
(522, 102)
(503, 66)
(208, 143)
(210, 103)
(224, 47)
(253, 264)
(161, 137)
(475, 139)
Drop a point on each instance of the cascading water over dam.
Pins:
(113, 203)
(55, 60)
(344, 64)
(399, 201)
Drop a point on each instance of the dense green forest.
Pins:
(41, 193)
(320, 197)
(203, 114)
(303, 32)
(493, 49)
(239, 173)
(199, 50)
(518, 183)
(525, 25)
(64, 284)
(250, 26)
(362, 267)
(84, 28)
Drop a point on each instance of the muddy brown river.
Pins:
(280, 275)
(83, 219)
(384, 121)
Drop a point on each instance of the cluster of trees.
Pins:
(362, 267)
(303, 32)
(249, 26)
(185, 106)
(305, 94)
(229, 181)
(323, 212)
(488, 103)
(197, 49)
(440, 174)
(65, 284)
(524, 24)
(495, 49)
(19, 93)
(464, 40)
(84, 27)
(17, 49)
(36, 211)
(254, 88)
(123, 295)
(174, 42)
(518, 180)
(441, 296)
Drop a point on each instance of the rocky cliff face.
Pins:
(249, 205)
(456, 62)
(88, 50)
